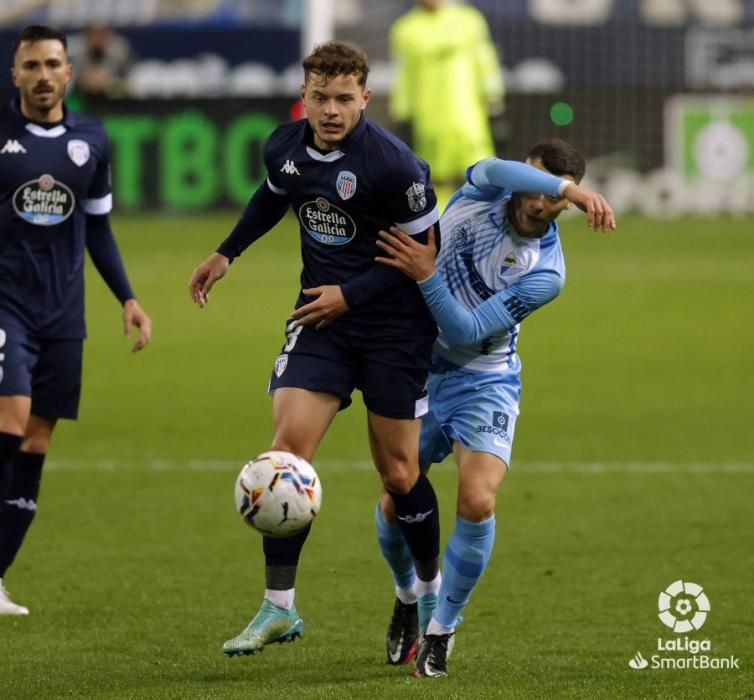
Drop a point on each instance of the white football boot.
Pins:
(7, 606)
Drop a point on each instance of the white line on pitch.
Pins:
(197, 465)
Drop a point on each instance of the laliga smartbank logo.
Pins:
(683, 607)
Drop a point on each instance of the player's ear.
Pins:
(303, 90)
(365, 98)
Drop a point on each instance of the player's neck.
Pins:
(51, 116)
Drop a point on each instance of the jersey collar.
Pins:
(351, 141)
(39, 129)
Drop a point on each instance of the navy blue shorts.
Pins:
(47, 369)
(389, 366)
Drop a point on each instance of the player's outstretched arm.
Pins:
(599, 214)
(205, 276)
(134, 315)
(406, 254)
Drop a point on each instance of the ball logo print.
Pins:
(683, 606)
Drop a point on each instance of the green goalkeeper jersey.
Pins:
(447, 75)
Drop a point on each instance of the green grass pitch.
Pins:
(633, 467)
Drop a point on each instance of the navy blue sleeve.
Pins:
(378, 278)
(100, 242)
(264, 210)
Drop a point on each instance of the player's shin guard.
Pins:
(395, 551)
(466, 557)
(281, 559)
(419, 520)
(9, 446)
(20, 506)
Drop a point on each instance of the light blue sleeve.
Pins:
(498, 314)
(513, 176)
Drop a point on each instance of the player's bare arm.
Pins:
(328, 305)
(599, 214)
(135, 316)
(205, 276)
(406, 254)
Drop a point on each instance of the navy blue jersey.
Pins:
(342, 198)
(50, 179)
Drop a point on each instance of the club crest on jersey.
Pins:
(346, 184)
(44, 202)
(417, 197)
(280, 364)
(78, 151)
(511, 266)
(326, 223)
(462, 235)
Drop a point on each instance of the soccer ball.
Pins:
(278, 493)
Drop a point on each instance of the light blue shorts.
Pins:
(476, 409)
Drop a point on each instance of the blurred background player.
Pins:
(356, 324)
(448, 85)
(101, 61)
(500, 260)
(56, 197)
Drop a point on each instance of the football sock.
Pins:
(419, 520)
(20, 505)
(466, 558)
(283, 599)
(435, 627)
(423, 587)
(281, 559)
(9, 446)
(397, 555)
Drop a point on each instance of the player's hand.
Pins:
(202, 279)
(328, 305)
(134, 315)
(413, 259)
(599, 214)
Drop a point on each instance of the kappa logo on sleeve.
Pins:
(289, 168)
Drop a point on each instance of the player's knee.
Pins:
(36, 443)
(294, 447)
(476, 506)
(399, 479)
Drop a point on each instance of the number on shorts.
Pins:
(291, 334)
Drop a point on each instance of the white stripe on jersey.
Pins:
(276, 190)
(101, 205)
(421, 224)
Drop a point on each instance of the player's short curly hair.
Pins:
(560, 158)
(38, 32)
(335, 58)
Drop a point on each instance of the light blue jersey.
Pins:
(488, 279)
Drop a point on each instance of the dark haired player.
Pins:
(54, 203)
(500, 260)
(356, 324)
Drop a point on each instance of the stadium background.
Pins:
(634, 455)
